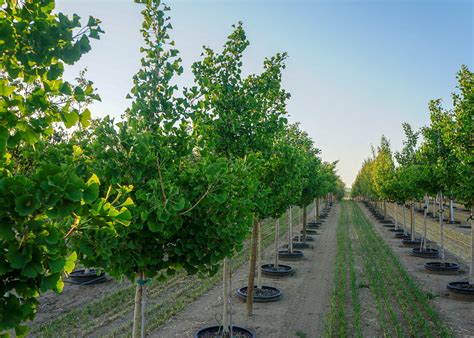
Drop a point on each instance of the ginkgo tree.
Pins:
(42, 202)
(192, 204)
(243, 116)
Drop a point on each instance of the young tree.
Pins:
(192, 203)
(383, 171)
(42, 202)
(242, 117)
(460, 139)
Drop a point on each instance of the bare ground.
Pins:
(301, 311)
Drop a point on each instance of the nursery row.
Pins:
(175, 186)
(440, 167)
(368, 268)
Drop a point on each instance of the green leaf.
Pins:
(6, 231)
(55, 71)
(73, 192)
(31, 270)
(85, 118)
(70, 119)
(128, 202)
(56, 265)
(124, 217)
(3, 140)
(70, 262)
(25, 205)
(5, 89)
(179, 205)
(90, 193)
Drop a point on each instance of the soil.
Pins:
(456, 313)
(306, 297)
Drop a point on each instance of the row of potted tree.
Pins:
(441, 166)
(177, 183)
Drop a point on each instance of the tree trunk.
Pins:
(434, 206)
(395, 206)
(137, 309)
(142, 331)
(317, 208)
(451, 211)
(252, 263)
(225, 298)
(277, 238)
(304, 224)
(441, 227)
(471, 270)
(412, 221)
(384, 209)
(404, 219)
(259, 257)
(290, 231)
(425, 212)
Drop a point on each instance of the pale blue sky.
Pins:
(356, 69)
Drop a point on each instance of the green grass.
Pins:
(166, 298)
(344, 317)
(402, 308)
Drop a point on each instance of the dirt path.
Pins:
(301, 310)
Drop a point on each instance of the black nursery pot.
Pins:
(84, 277)
(281, 271)
(299, 245)
(388, 225)
(265, 295)
(310, 232)
(427, 253)
(462, 290)
(291, 256)
(308, 238)
(401, 235)
(440, 267)
(410, 243)
(216, 331)
(454, 222)
(397, 231)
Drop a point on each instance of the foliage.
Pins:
(42, 202)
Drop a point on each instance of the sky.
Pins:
(356, 69)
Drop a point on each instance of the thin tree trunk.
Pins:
(395, 206)
(253, 259)
(441, 227)
(384, 209)
(412, 221)
(290, 231)
(277, 238)
(471, 270)
(225, 298)
(142, 332)
(304, 224)
(259, 258)
(315, 210)
(451, 211)
(434, 205)
(404, 220)
(425, 212)
(137, 309)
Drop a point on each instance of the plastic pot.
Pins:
(290, 256)
(442, 267)
(265, 295)
(216, 331)
(86, 277)
(427, 253)
(282, 270)
(462, 290)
